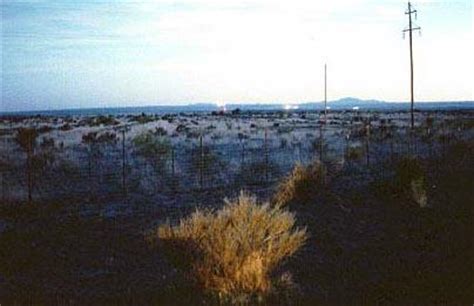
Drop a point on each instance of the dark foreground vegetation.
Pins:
(400, 239)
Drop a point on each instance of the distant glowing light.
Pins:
(355, 108)
(290, 107)
(221, 105)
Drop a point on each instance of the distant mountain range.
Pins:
(350, 103)
(377, 104)
(341, 104)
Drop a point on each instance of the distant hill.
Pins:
(349, 103)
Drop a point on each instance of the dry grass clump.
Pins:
(233, 251)
(300, 183)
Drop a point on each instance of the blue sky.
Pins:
(63, 54)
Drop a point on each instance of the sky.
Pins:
(97, 53)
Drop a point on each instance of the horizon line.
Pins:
(220, 104)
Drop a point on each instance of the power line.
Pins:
(410, 30)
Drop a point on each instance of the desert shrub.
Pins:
(107, 138)
(207, 161)
(103, 120)
(66, 127)
(182, 128)
(354, 153)
(407, 170)
(44, 129)
(152, 148)
(429, 121)
(93, 140)
(89, 138)
(26, 138)
(258, 172)
(300, 184)
(47, 143)
(40, 161)
(318, 143)
(242, 136)
(411, 181)
(142, 118)
(193, 133)
(160, 131)
(234, 252)
(67, 168)
(284, 129)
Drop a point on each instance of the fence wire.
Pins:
(119, 169)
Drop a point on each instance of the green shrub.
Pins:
(152, 148)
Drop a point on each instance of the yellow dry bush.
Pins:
(234, 250)
(300, 183)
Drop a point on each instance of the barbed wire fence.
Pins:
(118, 170)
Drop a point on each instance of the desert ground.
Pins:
(80, 195)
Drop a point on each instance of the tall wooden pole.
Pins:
(411, 67)
(410, 32)
(325, 93)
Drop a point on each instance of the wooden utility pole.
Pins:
(410, 30)
(325, 94)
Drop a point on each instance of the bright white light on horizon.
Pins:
(290, 107)
(222, 106)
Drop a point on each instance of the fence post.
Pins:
(201, 163)
(346, 149)
(28, 170)
(242, 159)
(172, 162)
(266, 154)
(89, 161)
(367, 143)
(391, 147)
(124, 185)
(321, 139)
(3, 186)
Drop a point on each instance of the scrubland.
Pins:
(244, 208)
